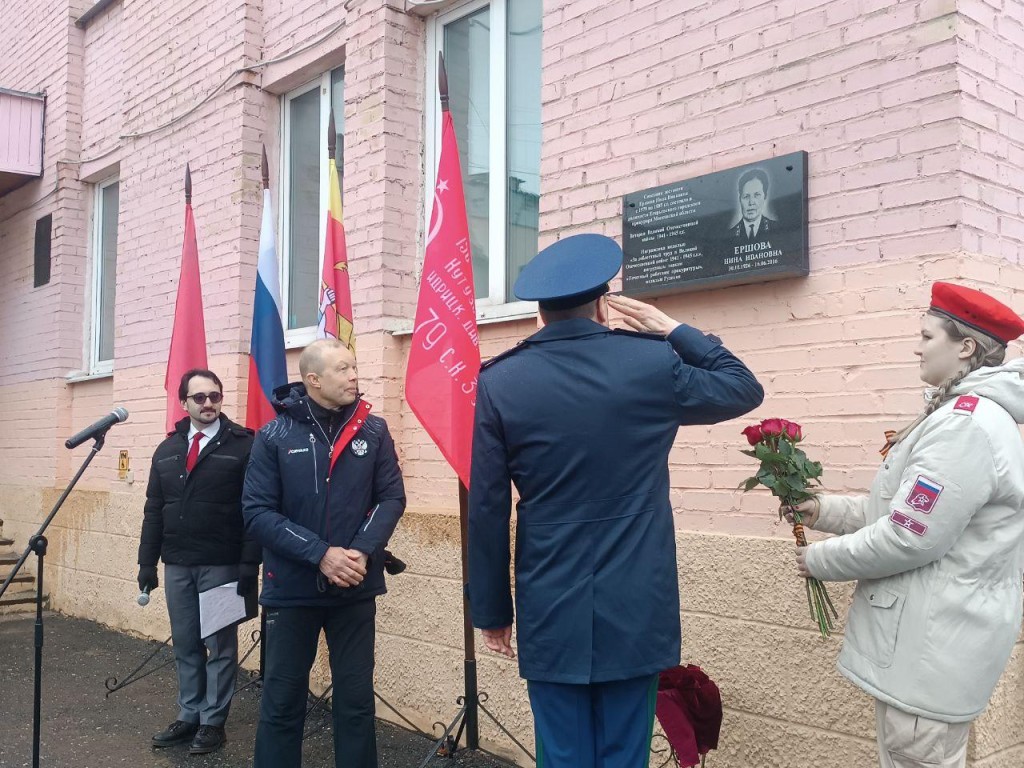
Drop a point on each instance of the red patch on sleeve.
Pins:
(966, 404)
(905, 521)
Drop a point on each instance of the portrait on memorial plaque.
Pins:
(752, 193)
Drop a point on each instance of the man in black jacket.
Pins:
(323, 495)
(193, 522)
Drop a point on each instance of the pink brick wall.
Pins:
(636, 97)
(989, 45)
(102, 89)
(42, 53)
(158, 88)
(909, 112)
(912, 112)
(640, 95)
(383, 182)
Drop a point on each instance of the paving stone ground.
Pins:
(82, 728)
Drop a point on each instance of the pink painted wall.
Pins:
(912, 114)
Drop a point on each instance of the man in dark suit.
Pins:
(754, 225)
(581, 419)
(193, 522)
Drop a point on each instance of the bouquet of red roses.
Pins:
(787, 472)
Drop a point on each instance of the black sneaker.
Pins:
(178, 732)
(209, 738)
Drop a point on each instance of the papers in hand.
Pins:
(220, 607)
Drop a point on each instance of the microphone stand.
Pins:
(37, 544)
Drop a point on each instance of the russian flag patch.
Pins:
(904, 521)
(965, 404)
(923, 495)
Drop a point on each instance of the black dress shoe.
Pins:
(178, 732)
(209, 738)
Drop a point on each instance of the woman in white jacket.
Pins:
(936, 546)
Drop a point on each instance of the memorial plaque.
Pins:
(743, 225)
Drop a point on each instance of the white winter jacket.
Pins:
(936, 547)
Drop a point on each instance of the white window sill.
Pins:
(502, 313)
(74, 377)
(297, 338)
(513, 310)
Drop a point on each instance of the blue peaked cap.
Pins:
(570, 271)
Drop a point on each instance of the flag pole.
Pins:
(472, 703)
(262, 640)
(469, 637)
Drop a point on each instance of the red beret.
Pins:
(977, 310)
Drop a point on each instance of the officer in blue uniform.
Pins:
(581, 418)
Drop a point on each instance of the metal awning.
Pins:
(21, 138)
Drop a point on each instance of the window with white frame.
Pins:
(104, 273)
(304, 170)
(492, 56)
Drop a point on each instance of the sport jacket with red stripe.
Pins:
(302, 495)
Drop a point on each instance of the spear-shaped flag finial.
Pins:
(442, 81)
(332, 138)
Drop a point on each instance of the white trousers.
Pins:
(909, 741)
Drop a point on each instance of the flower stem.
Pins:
(810, 602)
(828, 600)
(823, 596)
(820, 610)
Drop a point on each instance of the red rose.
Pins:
(753, 434)
(771, 427)
(793, 431)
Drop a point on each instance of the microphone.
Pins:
(95, 430)
(143, 598)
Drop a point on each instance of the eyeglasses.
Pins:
(200, 397)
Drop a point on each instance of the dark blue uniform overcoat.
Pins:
(581, 418)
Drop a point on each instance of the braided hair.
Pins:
(988, 352)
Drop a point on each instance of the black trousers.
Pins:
(292, 636)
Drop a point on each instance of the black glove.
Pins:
(248, 575)
(148, 580)
(392, 564)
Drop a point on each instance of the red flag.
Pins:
(188, 337)
(335, 315)
(444, 361)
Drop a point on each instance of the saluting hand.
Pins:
(642, 317)
(343, 567)
(499, 641)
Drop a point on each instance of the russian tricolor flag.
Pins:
(267, 368)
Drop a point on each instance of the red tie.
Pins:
(193, 452)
